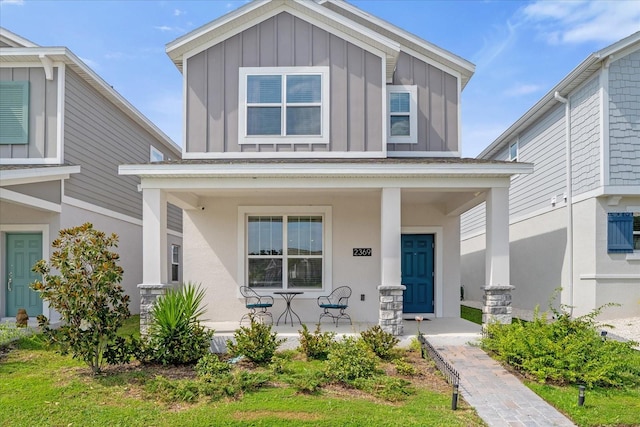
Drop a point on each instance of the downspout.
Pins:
(569, 194)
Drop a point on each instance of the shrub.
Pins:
(176, 336)
(210, 366)
(308, 381)
(86, 293)
(316, 345)
(379, 341)
(404, 368)
(255, 342)
(9, 332)
(350, 359)
(567, 350)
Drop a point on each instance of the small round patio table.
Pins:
(288, 311)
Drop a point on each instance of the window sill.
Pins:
(284, 140)
(634, 256)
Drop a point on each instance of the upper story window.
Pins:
(402, 114)
(14, 112)
(513, 152)
(284, 105)
(155, 155)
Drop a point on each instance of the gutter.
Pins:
(569, 193)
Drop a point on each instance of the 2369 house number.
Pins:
(361, 251)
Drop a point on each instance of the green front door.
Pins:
(23, 251)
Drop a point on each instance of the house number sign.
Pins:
(361, 251)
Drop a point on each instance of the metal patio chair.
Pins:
(335, 304)
(258, 304)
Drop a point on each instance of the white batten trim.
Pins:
(29, 201)
(421, 154)
(594, 276)
(100, 210)
(174, 233)
(24, 161)
(41, 228)
(438, 232)
(286, 155)
(62, 75)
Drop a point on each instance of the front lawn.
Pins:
(58, 390)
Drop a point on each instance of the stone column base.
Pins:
(496, 304)
(148, 296)
(391, 301)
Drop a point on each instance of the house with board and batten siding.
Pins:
(574, 222)
(322, 148)
(63, 133)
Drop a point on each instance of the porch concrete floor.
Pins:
(439, 331)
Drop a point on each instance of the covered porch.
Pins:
(369, 205)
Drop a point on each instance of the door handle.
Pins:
(10, 281)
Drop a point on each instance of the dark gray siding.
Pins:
(43, 105)
(285, 41)
(174, 218)
(437, 105)
(100, 137)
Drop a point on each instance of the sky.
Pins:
(521, 49)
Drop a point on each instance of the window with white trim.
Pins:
(402, 114)
(287, 249)
(636, 231)
(155, 155)
(514, 151)
(175, 263)
(284, 105)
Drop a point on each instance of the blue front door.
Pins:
(23, 251)
(417, 272)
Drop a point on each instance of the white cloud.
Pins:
(95, 66)
(522, 89)
(164, 28)
(178, 12)
(492, 48)
(12, 2)
(560, 22)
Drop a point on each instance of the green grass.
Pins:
(602, 407)
(471, 314)
(61, 391)
(9, 332)
(131, 326)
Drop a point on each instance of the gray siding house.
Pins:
(321, 148)
(63, 133)
(574, 222)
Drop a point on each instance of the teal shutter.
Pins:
(620, 232)
(14, 112)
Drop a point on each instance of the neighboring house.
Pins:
(574, 222)
(63, 133)
(322, 148)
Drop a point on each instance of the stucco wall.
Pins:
(211, 251)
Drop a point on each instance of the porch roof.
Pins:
(376, 167)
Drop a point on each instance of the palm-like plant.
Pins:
(175, 334)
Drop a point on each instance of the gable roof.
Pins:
(12, 39)
(47, 56)
(575, 78)
(338, 17)
(408, 41)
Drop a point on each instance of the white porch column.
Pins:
(154, 237)
(390, 211)
(391, 288)
(497, 293)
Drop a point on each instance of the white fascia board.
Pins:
(6, 35)
(417, 154)
(340, 26)
(33, 175)
(330, 169)
(62, 54)
(195, 184)
(620, 48)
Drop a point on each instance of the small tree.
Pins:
(86, 293)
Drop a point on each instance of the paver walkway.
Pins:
(497, 395)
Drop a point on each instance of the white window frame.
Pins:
(515, 144)
(175, 261)
(323, 138)
(155, 155)
(412, 138)
(244, 212)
